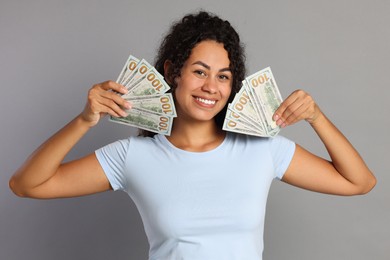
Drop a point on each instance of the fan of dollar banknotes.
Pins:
(254, 105)
(153, 109)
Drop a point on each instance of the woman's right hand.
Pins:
(44, 175)
(103, 99)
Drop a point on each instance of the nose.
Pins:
(210, 85)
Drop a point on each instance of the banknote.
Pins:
(255, 104)
(243, 106)
(152, 108)
(127, 69)
(142, 67)
(233, 125)
(162, 104)
(267, 96)
(150, 83)
(237, 121)
(146, 120)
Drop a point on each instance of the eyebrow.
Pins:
(208, 67)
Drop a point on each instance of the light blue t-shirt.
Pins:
(199, 205)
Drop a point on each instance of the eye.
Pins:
(224, 77)
(200, 73)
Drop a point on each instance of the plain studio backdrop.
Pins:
(52, 52)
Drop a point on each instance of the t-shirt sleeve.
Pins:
(282, 150)
(112, 158)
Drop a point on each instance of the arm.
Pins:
(43, 175)
(345, 174)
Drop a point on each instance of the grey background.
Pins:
(51, 52)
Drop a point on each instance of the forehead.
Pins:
(210, 51)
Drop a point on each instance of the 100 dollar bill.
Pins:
(127, 69)
(162, 104)
(146, 120)
(142, 67)
(267, 97)
(232, 124)
(151, 83)
(243, 106)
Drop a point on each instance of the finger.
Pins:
(116, 87)
(298, 106)
(111, 107)
(102, 102)
(296, 114)
(289, 115)
(103, 108)
(100, 91)
(292, 98)
(288, 107)
(117, 99)
(293, 104)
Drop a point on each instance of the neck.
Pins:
(196, 136)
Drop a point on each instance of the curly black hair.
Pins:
(185, 34)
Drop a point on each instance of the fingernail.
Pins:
(128, 105)
(276, 117)
(124, 114)
(279, 122)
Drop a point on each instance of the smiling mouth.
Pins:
(205, 101)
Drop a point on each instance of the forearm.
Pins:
(44, 162)
(345, 159)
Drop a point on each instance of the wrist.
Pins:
(83, 123)
(320, 119)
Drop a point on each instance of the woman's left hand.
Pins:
(298, 106)
(345, 173)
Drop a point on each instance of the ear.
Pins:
(167, 71)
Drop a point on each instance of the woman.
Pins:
(201, 192)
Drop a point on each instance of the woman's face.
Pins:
(205, 83)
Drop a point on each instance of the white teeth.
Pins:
(206, 101)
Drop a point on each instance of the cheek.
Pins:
(179, 89)
(179, 95)
(176, 89)
(180, 84)
(226, 91)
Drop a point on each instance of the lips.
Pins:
(207, 102)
